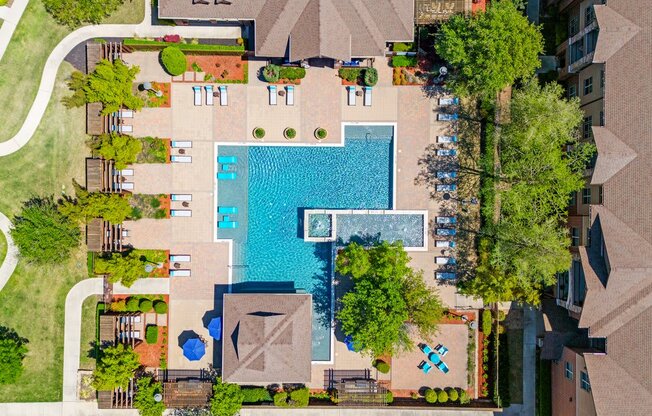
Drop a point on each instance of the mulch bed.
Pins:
(220, 67)
(150, 354)
(165, 204)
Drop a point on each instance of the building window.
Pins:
(588, 86)
(591, 40)
(572, 90)
(589, 15)
(586, 127)
(602, 118)
(584, 381)
(602, 79)
(569, 370)
(586, 196)
(573, 199)
(573, 25)
(588, 236)
(575, 237)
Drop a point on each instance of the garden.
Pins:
(129, 266)
(358, 76)
(276, 74)
(125, 150)
(150, 206)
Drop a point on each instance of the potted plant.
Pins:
(320, 133)
(259, 133)
(290, 133)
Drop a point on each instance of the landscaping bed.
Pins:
(150, 206)
(153, 257)
(149, 97)
(225, 69)
(155, 150)
(410, 70)
(357, 76)
(197, 46)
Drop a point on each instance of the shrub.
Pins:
(145, 305)
(173, 60)
(256, 395)
(160, 214)
(144, 398)
(292, 73)
(370, 77)
(12, 352)
(321, 133)
(501, 315)
(299, 397)
(155, 202)
(281, 399)
(160, 306)
(414, 395)
(381, 366)
(290, 133)
(196, 67)
(486, 322)
(227, 399)
(73, 13)
(389, 397)
(349, 74)
(118, 306)
(133, 304)
(403, 47)
(120, 148)
(259, 132)
(464, 397)
(442, 396)
(453, 395)
(431, 396)
(401, 61)
(151, 334)
(115, 367)
(271, 73)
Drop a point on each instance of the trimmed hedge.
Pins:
(389, 397)
(486, 322)
(256, 395)
(381, 366)
(160, 306)
(431, 396)
(442, 396)
(132, 304)
(401, 60)
(292, 73)
(297, 398)
(154, 45)
(151, 334)
(453, 395)
(321, 133)
(370, 77)
(173, 60)
(145, 305)
(403, 47)
(464, 397)
(290, 133)
(272, 73)
(259, 132)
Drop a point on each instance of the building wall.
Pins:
(568, 398)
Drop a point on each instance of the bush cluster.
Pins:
(151, 334)
(381, 366)
(173, 60)
(272, 73)
(402, 60)
(367, 75)
(349, 74)
(296, 398)
(256, 395)
(446, 395)
(370, 77)
(292, 73)
(160, 307)
(145, 305)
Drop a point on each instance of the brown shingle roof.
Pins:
(338, 29)
(267, 338)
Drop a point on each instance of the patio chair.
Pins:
(446, 152)
(446, 188)
(447, 117)
(126, 113)
(209, 94)
(446, 175)
(127, 172)
(227, 159)
(425, 348)
(226, 175)
(224, 98)
(441, 350)
(446, 231)
(351, 90)
(180, 159)
(181, 197)
(434, 358)
(446, 139)
(289, 95)
(227, 210)
(443, 367)
(197, 94)
(181, 144)
(273, 94)
(445, 244)
(446, 220)
(181, 213)
(125, 233)
(367, 96)
(127, 186)
(180, 273)
(425, 367)
(444, 102)
(123, 128)
(183, 258)
(444, 260)
(445, 275)
(227, 224)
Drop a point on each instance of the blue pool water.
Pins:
(275, 185)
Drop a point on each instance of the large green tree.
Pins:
(387, 299)
(43, 234)
(116, 366)
(490, 50)
(112, 85)
(146, 389)
(125, 269)
(12, 351)
(123, 149)
(114, 208)
(74, 13)
(227, 399)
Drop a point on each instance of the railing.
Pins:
(581, 63)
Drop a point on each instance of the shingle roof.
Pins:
(267, 338)
(338, 29)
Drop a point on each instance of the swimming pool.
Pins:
(274, 185)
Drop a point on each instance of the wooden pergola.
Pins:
(103, 237)
(187, 393)
(127, 329)
(361, 393)
(118, 398)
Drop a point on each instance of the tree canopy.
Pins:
(144, 401)
(387, 299)
(115, 368)
(74, 13)
(42, 233)
(490, 50)
(123, 149)
(112, 85)
(114, 208)
(227, 399)
(12, 351)
(125, 269)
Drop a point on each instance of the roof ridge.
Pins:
(642, 300)
(613, 155)
(615, 32)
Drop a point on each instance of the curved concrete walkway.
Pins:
(144, 29)
(11, 259)
(10, 16)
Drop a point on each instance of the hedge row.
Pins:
(145, 44)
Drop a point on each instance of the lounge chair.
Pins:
(181, 197)
(124, 172)
(425, 348)
(445, 276)
(125, 114)
(441, 350)
(125, 233)
(179, 258)
(227, 224)
(180, 159)
(351, 90)
(226, 175)
(127, 186)
(444, 102)
(123, 128)
(446, 152)
(367, 96)
(446, 231)
(446, 175)
(446, 139)
(443, 367)
(180, 273)
(227, 210)
(224, 98)
(197, 95)
(446, 188)
(445, 244)
(181, 144)
(289, 95)
(434, 358)
(447, 117)
(227, 159)
(209, 94)
(181, 213)
(446, 220)
(444, 260)
(425, 367)
(273, 94)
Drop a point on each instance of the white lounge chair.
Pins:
(179, 257)
(351, 90)
(181, 159)
(125, 233)
(127, 172)
(224, 98)
(181, 213)
(127, 186)
(272, 94)
(123, 128)
(180, 273)
(444, 244)
(449, 101)
(197, 95)
(367, 96)
(209, 94)
(446, 139)
(126, 114)
(289, 96)
(444, 260)
(182, 144)
(181, 197)
(446, 220)
(447, 117)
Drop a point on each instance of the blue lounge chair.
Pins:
(446, 175)
(425, 367)
(441, 350)
(226, 175)
(445, 275)
(446, 188)
(434, 358)
(443, 367)
(227, 224)
(226, 167)
(447, 117)
(446, 220)
(227, 159)
(446, 231)
(446, 152)
(425, 348)
(227, 210)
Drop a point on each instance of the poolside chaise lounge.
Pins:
(367, 96)
(446, 175)
(449, 101)
(443, 367)
(447, 117)
(441, 350)
(446, 231)
(181, 197)
(124, 114)
(273, 94)
(425, 366)
(181, 144)
(123, 128)
(227, 210)
(446, 220)
(444, 244)
(289, 96)
(351, 96)
(125, 233)
(180, 273)
(446, 188)
(197, 94)
(127, 186)
(224, 98)
(209, 94)
(124, 172)
(227, 159)
(180, 159)
(445, 276)
(444, 260)
(226, 175)
(181, 213)
(446, 139)
(425, 348)
(446, 152)
(180, 258)
(227, 224)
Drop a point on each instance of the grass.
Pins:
(145, 44)
(515, 347)
(3, 247)
(88, 333)
(22, 64)
(544, 384)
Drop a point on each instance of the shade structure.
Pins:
(194, 349)
(215, 328)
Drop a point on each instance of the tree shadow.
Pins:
(185, 336)
(7, 333)
(321, 290)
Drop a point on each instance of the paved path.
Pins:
(144, 29)
(11, 16)
(11, 259)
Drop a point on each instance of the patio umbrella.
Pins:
(215, 328)
(194, 349)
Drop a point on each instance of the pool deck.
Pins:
(320, 101)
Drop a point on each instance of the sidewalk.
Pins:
(11, 259)
(11, 16)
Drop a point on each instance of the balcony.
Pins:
(580, 63)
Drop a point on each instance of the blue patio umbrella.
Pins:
(215, 328)
(348, 340)
(194, 349)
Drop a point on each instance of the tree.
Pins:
(74, 13)
(173, 60)
(125, 269)
(490, 50)
(122, 149)
(115, 368)
(387, 297)
(76, 84)
(43, 234)
(12, 352)
(112, 84)
(114, 208)
(144, 401)
(227, 398)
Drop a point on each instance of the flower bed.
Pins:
(220, 68)
(358, 76)
(150, 206)
(149, 97)
(155, 150)
(152, 256)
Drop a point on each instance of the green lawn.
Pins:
(515, 346)
(3, 247)
(22, 64)
(87, 345)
